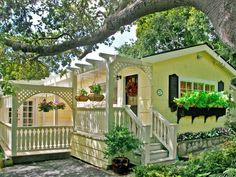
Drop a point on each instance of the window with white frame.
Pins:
(188, 85)
(28, 113)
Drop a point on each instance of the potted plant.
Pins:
(120, 141)
(95, 93)
(83, 95)
(200, 103)
(45, 106)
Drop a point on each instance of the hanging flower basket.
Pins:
(59, 105)
(83, 95)
(95, 93)
(48, 106)
(45, 106)
(95, 97)
(81, 98)
(131, 88)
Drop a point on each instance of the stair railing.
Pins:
(143, 132)
(165, 132)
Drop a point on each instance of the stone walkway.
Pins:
(55, 168)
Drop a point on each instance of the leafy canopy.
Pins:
(173, 29)
(48, 23)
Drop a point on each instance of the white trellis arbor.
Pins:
(23, 92)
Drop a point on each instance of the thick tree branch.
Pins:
(136, 10)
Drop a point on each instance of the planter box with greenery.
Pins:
(200, 103)
(119, 142)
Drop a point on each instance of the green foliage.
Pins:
(22, 70)
(230, 172)
(1, 154)
(172, 29)
(201, 99)
(95, 88)
(214, 163)
(48, 23)
(7, 88)
(215, 132)
(83, 92)
(231, 125)
(155, 171)
(120, 141)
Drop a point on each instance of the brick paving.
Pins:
(55, 168)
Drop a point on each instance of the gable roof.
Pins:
(186, 51)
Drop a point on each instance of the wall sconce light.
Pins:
(118, 77)
(199, 57)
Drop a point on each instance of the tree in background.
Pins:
(54, 33)
(173, 29)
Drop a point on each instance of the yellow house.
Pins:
(138, 94)
(179, 71)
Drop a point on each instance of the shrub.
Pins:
(215, 132)
(120, 141)
(155, 171)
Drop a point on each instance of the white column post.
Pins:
(109, 94)
(14, 125)
(74, 92)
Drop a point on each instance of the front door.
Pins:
(131, 92)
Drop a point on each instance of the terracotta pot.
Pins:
(121, 165)
(81, 98)
(95, 97)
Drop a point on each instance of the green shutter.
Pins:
(220, 86)
(173, 90)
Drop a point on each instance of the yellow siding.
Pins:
(188, 66)
(89, 149)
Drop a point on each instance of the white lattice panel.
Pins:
(25, 91)
(119, 65)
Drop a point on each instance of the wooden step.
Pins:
(166, 161)
(156, 146)
(158, 154)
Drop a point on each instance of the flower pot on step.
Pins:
(121, 165)
(81, 98)
(95, 97)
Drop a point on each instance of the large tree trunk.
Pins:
(222, 14)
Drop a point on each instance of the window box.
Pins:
(196, 112)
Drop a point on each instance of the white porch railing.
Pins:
(43, 138)
(165, 132)
(5, 133)
(91, 120)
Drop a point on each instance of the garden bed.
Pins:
(194, 146)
